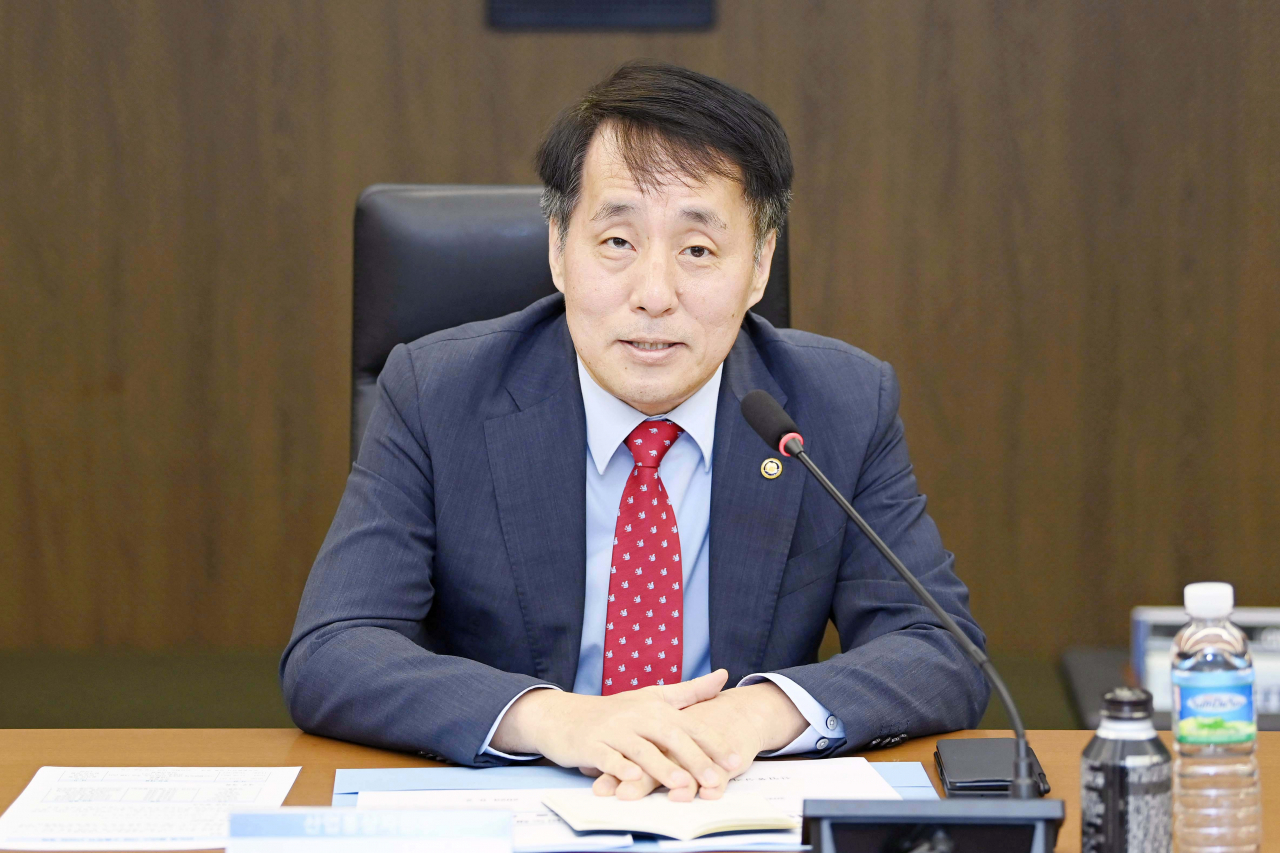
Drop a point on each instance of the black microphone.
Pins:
(775, 426)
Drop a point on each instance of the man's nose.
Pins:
(656, 291)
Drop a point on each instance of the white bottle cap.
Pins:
(1209, 600)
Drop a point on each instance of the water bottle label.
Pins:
(1215, 707)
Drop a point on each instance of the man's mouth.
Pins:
(651, 345)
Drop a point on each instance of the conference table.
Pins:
(23, 751)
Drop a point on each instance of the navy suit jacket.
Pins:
(453, 575)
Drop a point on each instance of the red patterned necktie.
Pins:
(643, 631)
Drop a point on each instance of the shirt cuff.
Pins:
(824, 726)
(485, 749)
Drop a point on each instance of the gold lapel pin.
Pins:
(770, 469)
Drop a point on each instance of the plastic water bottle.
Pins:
(1217, 799)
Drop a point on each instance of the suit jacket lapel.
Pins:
(752, 520)
(537, 456)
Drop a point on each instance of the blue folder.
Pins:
(908, 778)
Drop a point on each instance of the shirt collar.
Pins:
(610, 421)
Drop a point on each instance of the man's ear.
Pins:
(760, 272)
(555, 255)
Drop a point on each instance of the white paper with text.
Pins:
(537, 828)
(137, 808)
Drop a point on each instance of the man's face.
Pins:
(656, 282)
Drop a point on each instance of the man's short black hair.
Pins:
(668, 120)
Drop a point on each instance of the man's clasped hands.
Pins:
(692, 737)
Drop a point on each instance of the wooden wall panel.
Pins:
(1060, 222)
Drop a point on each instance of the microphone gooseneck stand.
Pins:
(1022, 786)
(767, 417)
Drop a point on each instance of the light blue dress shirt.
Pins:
(686, 476)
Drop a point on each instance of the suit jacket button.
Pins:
(822, 743)
(874, 742)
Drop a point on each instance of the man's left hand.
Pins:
(753, 719)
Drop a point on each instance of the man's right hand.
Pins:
(626, 735)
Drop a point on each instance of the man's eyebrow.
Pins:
(611, 209)
(702, 216)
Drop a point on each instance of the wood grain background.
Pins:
(1059, 220)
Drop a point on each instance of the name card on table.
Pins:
(327, 830)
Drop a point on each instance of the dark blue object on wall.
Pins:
(598, 14)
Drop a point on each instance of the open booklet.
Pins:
(657, 814)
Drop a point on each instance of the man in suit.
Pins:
(560, 538)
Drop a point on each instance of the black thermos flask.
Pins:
(1126, 776)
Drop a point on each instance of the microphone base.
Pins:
(1023, 789)
(853, 826)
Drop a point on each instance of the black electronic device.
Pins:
(1018, 823)
(980, 767)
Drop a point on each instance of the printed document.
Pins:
(537, 829)
(137, 808)
(784, 784)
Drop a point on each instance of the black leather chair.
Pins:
(432, 257)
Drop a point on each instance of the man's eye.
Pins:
(617, 243)
(698, 251)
